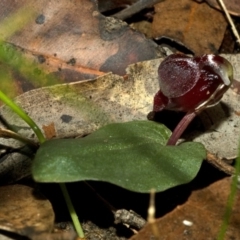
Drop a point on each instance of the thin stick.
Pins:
(5, 133)
(220, 164)
(235, 32)
(136, 7)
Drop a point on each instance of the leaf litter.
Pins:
(223, 113)
(77, 109)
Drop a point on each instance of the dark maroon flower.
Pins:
(191, 84)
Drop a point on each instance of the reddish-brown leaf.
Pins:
(199, 218)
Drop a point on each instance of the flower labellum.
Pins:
(191, 85)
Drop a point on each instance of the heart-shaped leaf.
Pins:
(132, 155)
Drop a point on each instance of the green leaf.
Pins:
(132, 155)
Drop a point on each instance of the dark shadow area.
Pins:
(143, 15)
(173, 44)
(165, 201)
(110, 12)
(87, 205)
(171, 119)
(13, 236)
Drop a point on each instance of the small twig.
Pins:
(235, 32)
(220, 164)
(5, 133)
(135, 8)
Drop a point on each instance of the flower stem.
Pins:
(72, 211)
(23, 115)
(182, 125)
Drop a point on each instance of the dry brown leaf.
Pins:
(198, 26)
(72, 40)
(25, 211)
(77, 109)
(199, 218)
